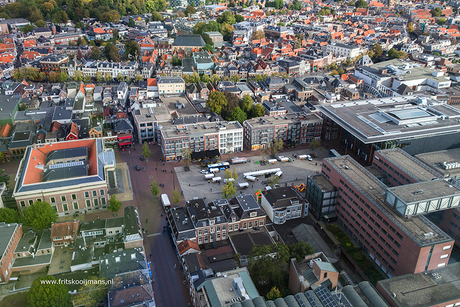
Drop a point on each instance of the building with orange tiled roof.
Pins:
(72, 176)
(64, 233)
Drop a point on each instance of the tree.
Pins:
(410, 27)
(176, 61)
(394, 54)
(246, 103)
(238, 115)
(215, 79)
(138, 77)
(273, 181)
(437, 12)
(120, 77)
(274, 147)
(441, 21)
(226, 18)
(114, 204)
(111, 52)
(208, 47)
(131, 23)
(95, 53)
(205, 78)
(146, 151)
(300, 249)
(259, 34)
(53, 76)
(154, 189)
(226, 31)
(115, 33)
(361, 4)
(267, 264)
(273, 294)
(87, 78)
(40, 23)
(177, 196)
(157, 16)
(315, 144)
(296, 5)
(340, 71)
(78, 76)
(27, 28)
(132, 49)
(99, 76)
(39, 215)
(91, 293)
(216, 101)
(257, 110)
(46, 291)
(228, 190)
(110, 16)
(8, 215)
(194, 78)
(239, 18)
(108, 77)
(377, 49)
(231, 174)
(189, 10)
(333, 73)
(186, 155)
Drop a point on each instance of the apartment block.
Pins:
(283, 204)
(222, 136)
(386, 222)
(72, 176)
(171, 85)
(296, 128)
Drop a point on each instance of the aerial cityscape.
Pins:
(299, 153)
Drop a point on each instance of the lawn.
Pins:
(15, 300)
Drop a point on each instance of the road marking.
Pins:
(154, 234)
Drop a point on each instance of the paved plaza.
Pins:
(194, 184)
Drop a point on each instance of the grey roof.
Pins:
(26, 243)
(6, 232)
(190, 40)
(61, 113)
(45, 240)
(114, 222)
(120, 262)
(122, 125)
(67, 172)
(29, 261)
(131, 221)
(307, 233)
(67, 153)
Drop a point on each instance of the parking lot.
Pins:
(194, 184)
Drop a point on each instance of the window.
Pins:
(261, 223)
(55, 208)
(103, 201)
(75, 206)
(31, 202)
(86, 194)
(53, 200)
(230, 227)
(63, 198)
(96, 202)
(88, 203)
(441, 265)
(22, 203)
(39, 199)
(94, 193)
(65, 207)
(101, 192)
(74, 196)
(446, 247)
(200, 232)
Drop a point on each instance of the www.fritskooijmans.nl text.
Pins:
(76, 282)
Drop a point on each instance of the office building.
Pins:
(321, 196)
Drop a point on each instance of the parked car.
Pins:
(138, 168)
(142, 158)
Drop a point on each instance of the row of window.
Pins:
(88, 203)
(64, 198)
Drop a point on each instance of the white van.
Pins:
(229, 180)
(216, 179)
(208, 176)
(279, 174)
(272, 161)
(243, 185)
(251, 178)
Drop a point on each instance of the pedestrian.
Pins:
(175, 266)
(211, 189)
(163, 163)
(252, 185)
(189, 184)
(155, 168)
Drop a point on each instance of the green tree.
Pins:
(273, 294)
(208, 47)
(189, 10)
(228, 190)
(296, 5)
(87, 78)
(95, 53)
(216, 101)
(115, 33)
(110, 16)
(45, 291)
(146, 151)
(108, 77)
(410, 27)
(39, 215)
(267, 264)
(273, 181)
(131, 23)
(340, 71)
(441, 21)
(394, 54)
(257, 110)
(91, 293)
(377, 49)
(63, 76)
(132, 49)
(111, 52)
(226, 18)
(138, 77)
(226, 31)
(238, 115)
(246, 103)
(235, 78)
(27, 28)
(99, 77)
(8, 215)
(205, 78)
(22, 107)
(215, 79)
(239, 18)
(186, 155)
(300, 249)
(53, 76)
(274, 147)
(176, 61)
(231, 174)
(177, 196)
(114, 204)
(78, 76)
(195, 78)
(333, 73)
(259, 34)
(437, 12)
(120, 77)
(314, 144)
(154, 189)
(40, 23)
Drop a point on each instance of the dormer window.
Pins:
(253, 214)
(233, 219)
(211, 222)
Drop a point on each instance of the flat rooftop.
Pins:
(392, 118)
(374, 190)
(322, 182)
(436, 160)
(259, 122)
(160, 113)
(244, 241)
(410, 165)
(197, 130)
(425, 191)
(435, 288)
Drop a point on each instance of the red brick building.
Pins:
(64, 233)
(10, 234)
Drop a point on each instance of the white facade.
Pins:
(344, 50)
(231, 140)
